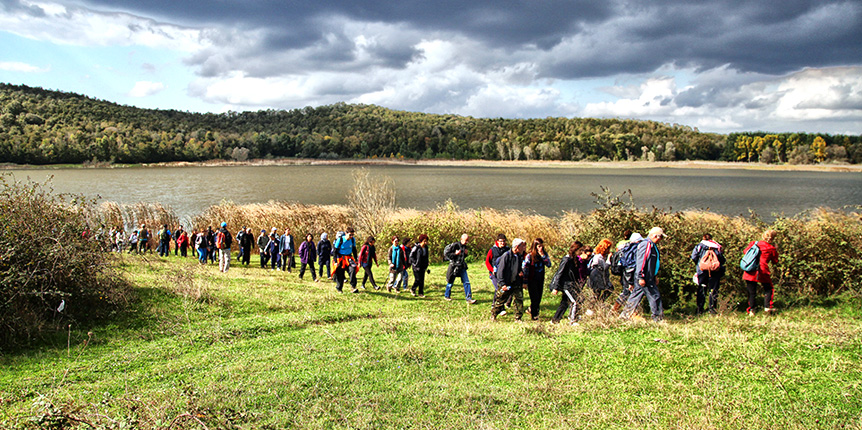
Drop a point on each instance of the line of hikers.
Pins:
(635, 260)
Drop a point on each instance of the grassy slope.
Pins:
(257, 349)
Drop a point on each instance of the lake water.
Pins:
(543, 190)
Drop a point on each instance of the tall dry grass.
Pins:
(300, 218)
(131, 216)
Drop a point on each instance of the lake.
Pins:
(542, 190)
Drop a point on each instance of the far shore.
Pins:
(688, 164)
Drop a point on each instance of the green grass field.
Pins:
(260, 349)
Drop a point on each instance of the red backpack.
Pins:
(709, 261)
(219, 240)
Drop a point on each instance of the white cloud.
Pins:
(146, 88)
(14, 66)
(71, 25)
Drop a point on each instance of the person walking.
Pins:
(568, 281)
(406, 246)
(176, 238)
(245, 244)
(762, 274)
(183, 243)
(287, 251)
(223, 243)
(164, 238)
(456, 254)
(627, 250)
(647, 265)
(144, 239)
(600, 275)
(120, 239)
(535, 263)
(307, 255)
(324, 252)
(710, 268)
(133, 242)
(344, 253)
(202, 246)
(510, 280)
(272, 247)
(419, 264)
(262, 241)
(367, 255)
(499, 248)
(397, 263)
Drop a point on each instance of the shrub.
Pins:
(53, 271)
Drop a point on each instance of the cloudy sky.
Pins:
(723, 66)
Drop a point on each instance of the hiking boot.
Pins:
(448, 299)
(503, 312)
(355, 291)
(471, 302)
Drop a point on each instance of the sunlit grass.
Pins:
(260, 349)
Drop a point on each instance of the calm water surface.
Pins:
(543, 190)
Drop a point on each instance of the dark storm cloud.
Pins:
(580, 38)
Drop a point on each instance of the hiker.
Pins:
(710, 267)
(223, 242)
(397, 263)
(324, 251)
(307, 255)
(510, 280)
(211, 244)
(133, 242)
(647, 265)
(535, 263)
(761, 273)
(272, 247)
(202, 245)
(456, 254)
(287, 250)
(239, 236)
(499, 248)
(419, 264)
(344, 254)
(568, 282)
(164, 237)
(406, 245)
(245, 245)
(143, 239)
(176, 238)
(120, 239)
(183, 243)
(626, 261)
(262, 241)
(600, 275)
(368, 254)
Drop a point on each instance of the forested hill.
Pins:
(39, 126)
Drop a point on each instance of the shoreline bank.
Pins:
(693, 164)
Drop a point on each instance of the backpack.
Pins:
(627, 260)
(219, 240)
(751, 260)
(617, 267)
(165, 236)
(709, 261)
(448, 250)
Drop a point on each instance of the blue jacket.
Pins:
(286, 244)
(647, 262)
(345, 247)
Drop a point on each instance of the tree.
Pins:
(371, 200)
(818, 149)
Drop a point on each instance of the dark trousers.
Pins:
(368, 276)
(627, 280)
(184, 250)
(264, 258)
(245, 255)
(327, 264)
(707, 285)
(274, 260)
(536, 286)
(342, 274)
(513, 294)
(310, 265)
(570, 298)
(418, 282)
(752, 294)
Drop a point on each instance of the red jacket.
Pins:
(768, 254)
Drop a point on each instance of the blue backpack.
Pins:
(751, 260)
(627, 260)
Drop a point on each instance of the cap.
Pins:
(656, 231)
(224, 224)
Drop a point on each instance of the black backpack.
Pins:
(448, 250)
(617, 267)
